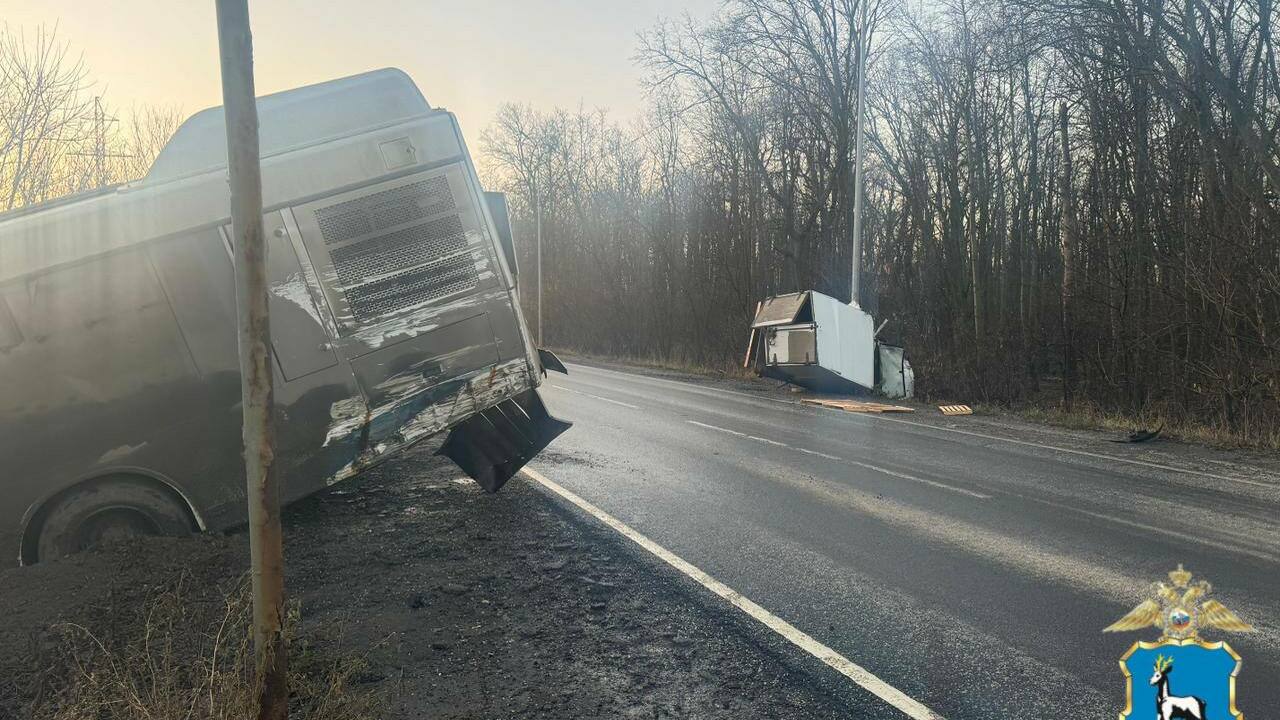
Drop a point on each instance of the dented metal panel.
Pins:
(397, 424)
(895, 377)
(298, 334)
(433, 357)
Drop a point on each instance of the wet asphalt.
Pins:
(972, 573)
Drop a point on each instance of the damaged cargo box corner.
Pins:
(817, 342)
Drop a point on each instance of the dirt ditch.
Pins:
(459, 605)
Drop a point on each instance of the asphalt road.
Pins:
(972, 573)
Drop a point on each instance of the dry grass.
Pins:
(189, 660)
(1086, 417)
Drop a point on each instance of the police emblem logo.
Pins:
(1181, 675)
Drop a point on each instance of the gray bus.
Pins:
(394, 318)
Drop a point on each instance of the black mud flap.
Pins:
(550, 362)
(493, 445)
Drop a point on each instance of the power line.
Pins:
(100, 154)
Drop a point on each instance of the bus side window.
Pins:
(98, 330)
(10, 335)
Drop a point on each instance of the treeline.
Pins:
(58, 133)
(1069, 202)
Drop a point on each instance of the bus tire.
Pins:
(109, 511)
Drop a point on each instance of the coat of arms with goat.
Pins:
(1180, 676)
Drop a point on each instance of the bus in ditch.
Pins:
(394, 318)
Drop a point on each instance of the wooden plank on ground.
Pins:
(856, 405)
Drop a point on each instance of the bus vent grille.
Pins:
(387, 295)
(388, 256)
(397, 250)
(379, 211)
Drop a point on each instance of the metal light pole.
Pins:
(266, 549)
(855, 284)
(537, 202)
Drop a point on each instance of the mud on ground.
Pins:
(465, 605)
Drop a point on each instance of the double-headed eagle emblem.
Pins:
(1180, 610)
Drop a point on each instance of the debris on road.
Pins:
(856, 405)
(1138, 436)
(955, 409)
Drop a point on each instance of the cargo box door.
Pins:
(301, 343)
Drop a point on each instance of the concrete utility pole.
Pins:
(855, 284)
(266, 546)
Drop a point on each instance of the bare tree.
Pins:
(45, 111)
(142, 138)
(1128, 263)
(57, 136)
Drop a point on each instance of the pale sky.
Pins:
(466, 55)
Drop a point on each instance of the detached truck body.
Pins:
(394, 317)
(815, 341)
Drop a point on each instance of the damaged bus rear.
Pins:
(394, 318)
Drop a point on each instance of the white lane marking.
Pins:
(859, 463)
(594, 397)
(911, 707)
(886, 418)
(757, 438)
(1228, 546)
(713, 427)
(807, 451)
(905, 476)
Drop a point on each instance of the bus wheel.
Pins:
(106, 512)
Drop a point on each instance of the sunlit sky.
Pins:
(466, 55)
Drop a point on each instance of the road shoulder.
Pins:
(463, 605)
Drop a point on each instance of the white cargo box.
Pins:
(816, 341)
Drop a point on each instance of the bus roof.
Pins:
(292, 118)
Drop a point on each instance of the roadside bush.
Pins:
(186, 658)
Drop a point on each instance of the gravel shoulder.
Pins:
(463, 605)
